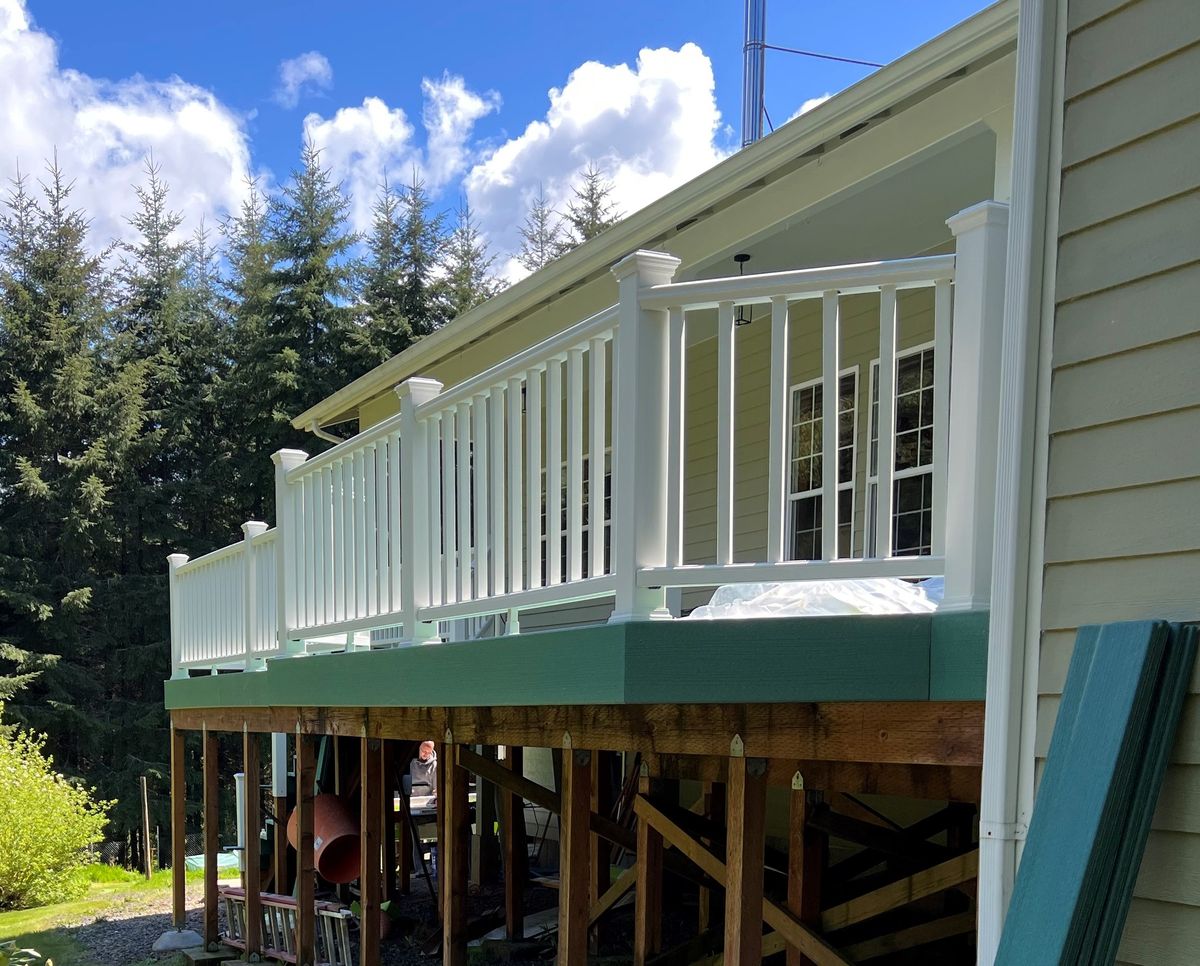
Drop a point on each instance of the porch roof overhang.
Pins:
(907, 657)
(881, 94)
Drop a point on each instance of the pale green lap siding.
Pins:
(1123, 511)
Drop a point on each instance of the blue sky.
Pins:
(200, 85)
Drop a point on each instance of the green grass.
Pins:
(107, 887)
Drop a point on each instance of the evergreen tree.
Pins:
(542, 235)
(70, 415)
(386, 328)
(421, 250)
(592, 210)
(468, 265)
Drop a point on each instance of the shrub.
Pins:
(46, 823)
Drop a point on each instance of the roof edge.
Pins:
(973, 38)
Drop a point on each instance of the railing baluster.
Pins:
(449, 510)
(830, 396)
(465, 543)
(886, 460)
(574, 464)
(499, 504)
(596, 406)
(327, 545)
(726, 363)
(480, 464)
(305, 549)
(348, 544)
(361, 548)
(395, 522)
(676, 444)
(516, 566)
(370, 535)
(777, 447)
(554, 402)
(941, 408)
(533, 474)
(434, 483)
(382, 529)
(339, 543)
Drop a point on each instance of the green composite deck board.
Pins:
(847, 658)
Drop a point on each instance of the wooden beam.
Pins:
(612, 895)
(574, 856)
(959, 783)
(371, 834)
(807, 851)
(212, 797)
(913, 936)
(252, 821)
(178, 829)
(775, 916)
(516, 851)
(647, 916)
(306, 915)
(455, 858)
(897, 844)
(745, 842)
(903, 732)
(945, 875)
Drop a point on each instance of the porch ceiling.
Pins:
(911, 657)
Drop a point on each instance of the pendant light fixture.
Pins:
(745, 313)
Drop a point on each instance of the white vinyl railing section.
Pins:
(492, 496)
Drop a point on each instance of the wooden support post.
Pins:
(599, 849)
(391, 786)
(807, 849)
(488, 864)
(574, 888)
(251, 822)
(405, 846)
(512, 819)
(147, 852)
(454, 864)
(647, 928)
(744, 861)
(211, 846)
(280, 851)
(440, 751)
(178, 830)
(371, 816)
(306, 767)
(711, 908)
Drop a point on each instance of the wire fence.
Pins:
(127, 853)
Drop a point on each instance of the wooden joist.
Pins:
(939, 878)
(944, 733)
(913, 936)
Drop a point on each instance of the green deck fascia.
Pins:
(908, 657)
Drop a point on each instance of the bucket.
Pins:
(336, 846)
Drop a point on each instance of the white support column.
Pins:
(286, 526)
(415, 508)
(178, 623)
(777, 446)
(639, 530)
(830, 428)
(676, 421)
(726, 368)
(885, 461)
(250, 530)
(981, 234)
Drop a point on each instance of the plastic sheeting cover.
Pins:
(809, 598)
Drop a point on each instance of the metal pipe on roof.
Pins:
(754, 54)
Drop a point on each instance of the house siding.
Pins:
(1122, 534)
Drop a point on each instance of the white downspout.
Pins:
(1015, 619)
(315, 428)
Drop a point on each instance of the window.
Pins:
(912, 495)
(805, 472)
(587, 523)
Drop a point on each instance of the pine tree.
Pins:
(467, 264)
(386, 329)
(421, 249)
(542, 235)
(592, 210)
(70, 415)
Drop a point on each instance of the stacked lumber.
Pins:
(1122, 701)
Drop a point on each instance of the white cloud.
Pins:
(810, 104)
(651, 128)
(103, 131)
(303, 74)
(362, 145)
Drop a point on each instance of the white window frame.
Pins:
(793, 497)
(586, 528)
(869, 536)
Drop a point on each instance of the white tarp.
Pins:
(805, 598)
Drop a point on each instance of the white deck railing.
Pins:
(495, 489)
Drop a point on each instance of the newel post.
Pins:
(981, 238)
(250, 530)
(286, 528)
(640, 450)
(416, 508)
(174, 562)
